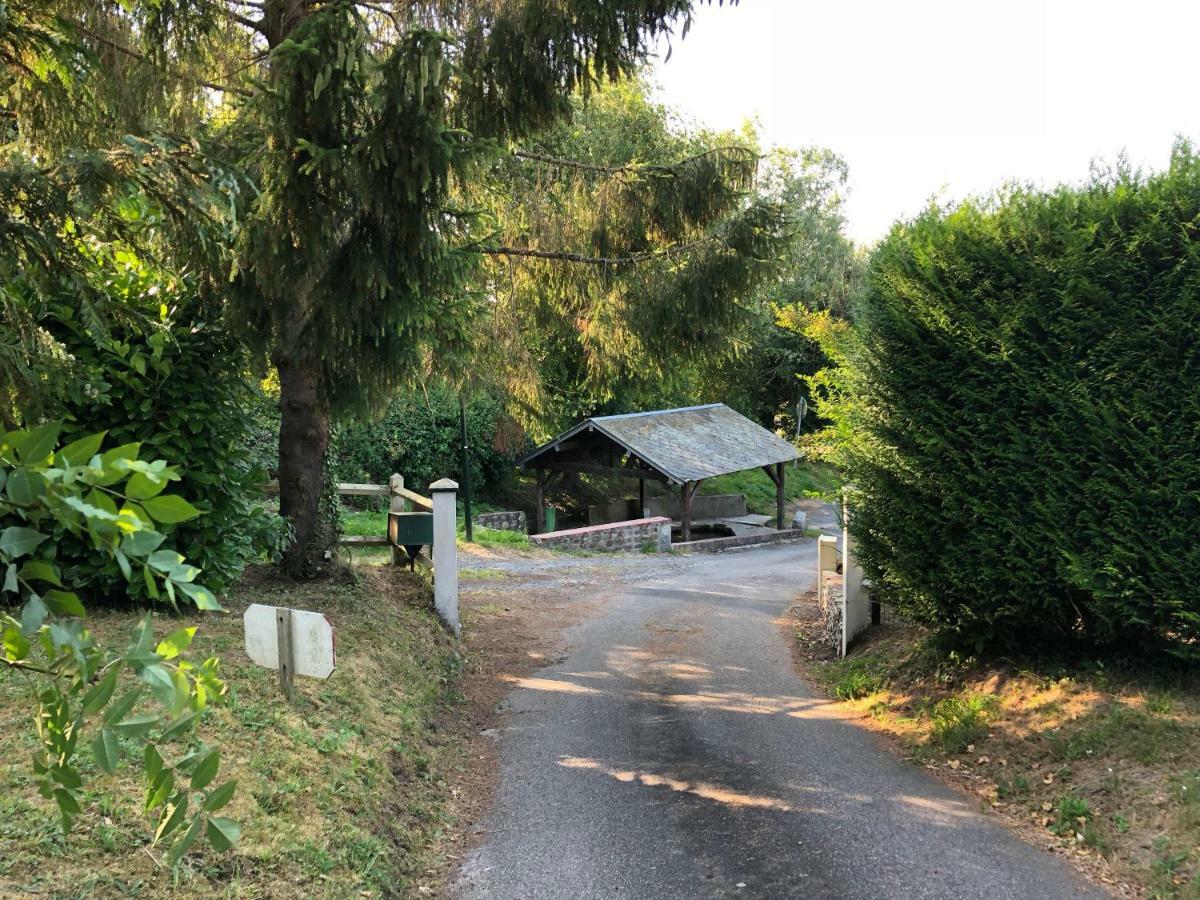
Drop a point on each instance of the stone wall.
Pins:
(718, 544)
(631, 535)
(513, 520)
(829, 599)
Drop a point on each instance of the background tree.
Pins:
(631, 246)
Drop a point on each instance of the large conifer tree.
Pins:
(357, 122)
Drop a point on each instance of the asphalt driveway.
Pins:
(674, 753)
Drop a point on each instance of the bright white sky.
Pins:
(945, 98)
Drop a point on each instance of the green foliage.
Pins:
(149, 694)
(618, 181)
(1018, 411)
(1071, 814)
(419, 437)
(177, 385)
(959, 721)
(805, 480)
(856, 684)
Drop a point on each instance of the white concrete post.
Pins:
(445, 551)
(856, 607)
(826, 557)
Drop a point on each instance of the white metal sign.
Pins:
(311, 642)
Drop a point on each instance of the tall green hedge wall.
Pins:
(1025, 404)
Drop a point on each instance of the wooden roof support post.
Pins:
(780, 485)
(641, 510)
(685, 512)
(539, 520)
(776, 473)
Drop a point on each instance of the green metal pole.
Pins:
(466, 468)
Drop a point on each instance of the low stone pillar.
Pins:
(444, 494)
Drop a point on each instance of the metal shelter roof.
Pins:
(686, 444)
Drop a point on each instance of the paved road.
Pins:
(675, 754)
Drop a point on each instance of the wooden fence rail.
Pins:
(399, 495)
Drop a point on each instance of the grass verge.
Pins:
(343, 793)
(808, 479)
(1101, 766)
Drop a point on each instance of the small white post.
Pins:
(826, 557)
(395, 505)
(445, 551)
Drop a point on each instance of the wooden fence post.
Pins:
(287, 664)
(445, 551)
(395, 505)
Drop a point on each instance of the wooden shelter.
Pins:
(680, 447)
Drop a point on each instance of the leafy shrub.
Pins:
(856, 684)
(1071, 816)
(181, 390)
(959, 721)
(419, 437)
(116, 502)
(1018, 407)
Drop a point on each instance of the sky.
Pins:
(933, 99)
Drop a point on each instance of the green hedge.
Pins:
(1024, 400)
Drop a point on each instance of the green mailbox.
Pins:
(410, 529)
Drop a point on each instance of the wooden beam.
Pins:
(363, 490)
(540, 512)
(770, 470)
(594, 469)
(641, 510)
(780, 484)
(417, 499)
(685, 511)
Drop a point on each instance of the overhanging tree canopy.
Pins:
(358, 124)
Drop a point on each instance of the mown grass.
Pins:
(806, 480)
(374, 523)
(1104, 763)
(341, 793)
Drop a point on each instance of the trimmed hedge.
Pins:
(1024, 399)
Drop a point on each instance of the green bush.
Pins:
(1020, 407)
(419, 437)
(181, 391)
(959, 721)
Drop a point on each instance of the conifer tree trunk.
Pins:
(303, 440)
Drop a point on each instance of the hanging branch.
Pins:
(563, 256)
(564, 162)
(134, 54)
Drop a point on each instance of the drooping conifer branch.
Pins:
(564, 256)
(563, 162)
(134, 54)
